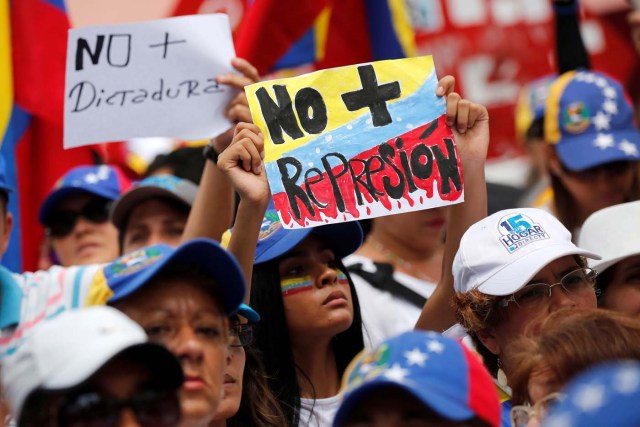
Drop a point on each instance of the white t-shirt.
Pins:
(319, 412)
(383, 314)
(45, 294)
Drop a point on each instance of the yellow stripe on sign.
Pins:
(6, 75)
(411, 73)
(552, 109)
(402, 25)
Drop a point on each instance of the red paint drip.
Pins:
(324, 193)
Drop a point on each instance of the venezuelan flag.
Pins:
(280, 34)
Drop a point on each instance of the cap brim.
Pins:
(449, 407)
(579, 152)
(517, 274)
(344, 238)
(86, 363)
(125, 204)
(601, 265)
(56, 196)
(248, 313)
(208, 256)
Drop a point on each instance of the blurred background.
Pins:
(492, 47)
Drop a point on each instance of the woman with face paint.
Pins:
(311, 325)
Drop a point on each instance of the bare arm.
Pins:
(470, 123)
(212, 211)
(242, 163)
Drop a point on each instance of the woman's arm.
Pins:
(470, 125)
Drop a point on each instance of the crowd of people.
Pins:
(181, 300)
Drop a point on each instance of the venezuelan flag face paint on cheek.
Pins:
(301, 284)
(296, 285)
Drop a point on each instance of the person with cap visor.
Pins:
(154, 211)
(418, 379)
(92, 368)
(182, 298)
(513, 269)
(593, 146)
(613, 233)
(75, 215)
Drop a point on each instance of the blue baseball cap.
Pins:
(103, 181)
(531, 103)
(590, 121)
(606, 395)
(4, 186)
(171, 187)
(440, 372)
(274, 240)
(248, 313)
(132, 271)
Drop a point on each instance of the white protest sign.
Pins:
(148, 79)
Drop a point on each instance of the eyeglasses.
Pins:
(240, 335)
(93, 409)
(61, 223)
(578, 282)
(521, 415)
(612, 169)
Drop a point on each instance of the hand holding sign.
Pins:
(357, 142)
(238, 109)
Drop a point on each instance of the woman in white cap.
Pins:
(512, 270)
(93, 368)
(613, 233)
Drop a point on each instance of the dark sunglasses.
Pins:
(61, 223)
(240, 335)
(151, 408)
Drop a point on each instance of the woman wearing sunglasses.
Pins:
(75, 215)
(92, 368)
(247, 400)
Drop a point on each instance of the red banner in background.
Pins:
(493, 47)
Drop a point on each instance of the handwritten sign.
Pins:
(357, 142)
(147, 79)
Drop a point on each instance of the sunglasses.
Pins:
(61, 223)
(240, 335)
(151, 408)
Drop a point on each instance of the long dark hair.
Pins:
(258, 406)
(272, 337)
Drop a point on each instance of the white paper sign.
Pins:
(148, 79)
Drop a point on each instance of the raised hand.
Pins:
(238, 109)
(242, 163)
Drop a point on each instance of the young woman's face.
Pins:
(316, 295)
(419, 230)
(183, 316)
(599, 187)
(233, 375)
(623, 292)
(518, 319)
(151, 222)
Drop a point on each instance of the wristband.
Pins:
(210, 153)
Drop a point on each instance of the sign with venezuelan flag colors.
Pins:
(357, 142)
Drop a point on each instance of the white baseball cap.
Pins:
(614, 232)
(65, 351)
(501, 253)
